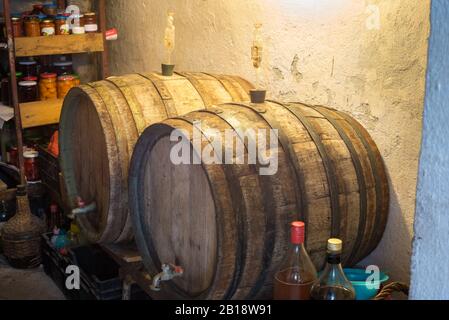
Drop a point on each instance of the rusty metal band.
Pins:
(164, 93)
(240, 211)
(269, 239)
(132, 102)
(360, 180)
(328, 167)
(377, 231)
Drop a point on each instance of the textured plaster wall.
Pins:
(430, 258)
(364, 57)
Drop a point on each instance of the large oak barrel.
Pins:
(228, 225)
(100, 124)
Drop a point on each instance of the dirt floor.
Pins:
(26, 284)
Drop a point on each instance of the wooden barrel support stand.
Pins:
(227, 225)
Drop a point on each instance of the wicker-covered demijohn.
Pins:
(21, 235)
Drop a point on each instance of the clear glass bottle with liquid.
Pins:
(332, 283)
(297, 275)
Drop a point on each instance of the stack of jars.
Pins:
(41, 82)
(45, 20)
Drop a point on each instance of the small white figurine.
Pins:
(170, 35)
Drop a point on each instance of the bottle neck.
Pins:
(334, 258)
(23, 207)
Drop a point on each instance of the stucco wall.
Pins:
(331, 52)
(430, 258)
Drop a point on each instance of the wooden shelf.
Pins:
(64, 44)
(40, 113)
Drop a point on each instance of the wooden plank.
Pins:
(123, 254)
(62, 44)
(40, 113)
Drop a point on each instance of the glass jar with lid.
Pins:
(29, 68)
(38, 9)
(31, 167)
(63, 67)
(28, 90)
(48, 27)
(17, 27)
(48, 86)
(65, 83)
(61, 25)
(32, 26)
(50, 9)
(90, 22)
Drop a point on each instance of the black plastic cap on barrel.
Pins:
(21, 190)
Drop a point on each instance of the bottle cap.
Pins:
(297, 232)
(334, 245)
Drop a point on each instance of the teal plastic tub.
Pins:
(363, 290)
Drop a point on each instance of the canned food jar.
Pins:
(31, 168)
(48, 28)
(77, 80)
(50, 9)
(90, 22)
(65, 83)
(63, 67)
(28, 68)
(32, 26)
(28, 90)
(61, 25)
(48, 86)
(17, 27)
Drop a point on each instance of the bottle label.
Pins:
(91, 27)
(48, 31)
(64, 29)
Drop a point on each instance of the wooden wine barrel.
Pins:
(228, 225)
(100, 124)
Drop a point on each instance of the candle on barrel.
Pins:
(258, 95)
(169, 43)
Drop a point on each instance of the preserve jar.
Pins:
(48, 86)
(77, 80)
(32, 26)
(65, 83)
(63, 67)
(90, 22)
(17, 27)
(38, 10)
(28, 90)
(29, 68)
(50, 9)
(61, 25)
(48, 28)
(31, 168)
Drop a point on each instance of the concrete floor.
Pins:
(26, 284)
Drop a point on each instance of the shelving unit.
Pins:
(53, 45)
(42, 113)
